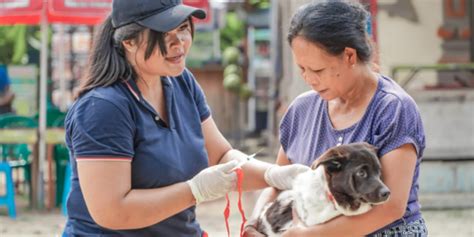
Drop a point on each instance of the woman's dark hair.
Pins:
(333, 25)
(107, 62)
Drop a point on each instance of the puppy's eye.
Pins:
(362, 173)
(336, 164)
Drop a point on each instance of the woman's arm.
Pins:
(255, 171)
(114, 204)
(220, 151)
(7, 97)
(267, 195)
(397, 172)
(215, 142)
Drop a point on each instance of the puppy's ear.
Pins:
(333, 160)
(334, 164)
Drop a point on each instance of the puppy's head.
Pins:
(353, 174)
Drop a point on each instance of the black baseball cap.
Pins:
(158, 15)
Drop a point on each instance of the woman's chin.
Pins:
(176, 71)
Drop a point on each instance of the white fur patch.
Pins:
(310, 199)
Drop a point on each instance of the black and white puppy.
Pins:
(345, 180)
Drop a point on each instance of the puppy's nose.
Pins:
(384, 193)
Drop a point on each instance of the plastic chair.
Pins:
(17, 121)
(66, 189)
(52, 115)
(9, 198)
(17, 155)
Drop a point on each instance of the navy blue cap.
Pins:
(158, 15)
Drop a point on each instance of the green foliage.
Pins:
(260, 4)
(245, 92)
(14, 44)
(230, 55)
(233, 32)
(233, 69)
(232, 82)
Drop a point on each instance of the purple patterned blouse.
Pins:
(391, 120)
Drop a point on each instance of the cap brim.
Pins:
(171, 18)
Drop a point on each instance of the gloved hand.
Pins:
(214, 182)
(281, 177)
(250, 229)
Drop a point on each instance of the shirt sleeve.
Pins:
(101, 130)
(288, 128)
(400, 124)
(199, 97)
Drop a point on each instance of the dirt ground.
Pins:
(450, 223)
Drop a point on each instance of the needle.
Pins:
(248, 158)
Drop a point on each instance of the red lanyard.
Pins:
(240, 176)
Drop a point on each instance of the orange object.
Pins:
(240, 177)
(455, 12)
(465, 33)
(445, 33)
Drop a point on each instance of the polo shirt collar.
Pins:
(166, 82)
(133, 87)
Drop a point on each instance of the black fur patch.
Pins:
(346, 201)
(278, 215)
(260, 227)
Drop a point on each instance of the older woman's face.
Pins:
(325, 73)
(178, 41)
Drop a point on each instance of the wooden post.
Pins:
(471, 12)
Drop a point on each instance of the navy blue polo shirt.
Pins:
(115, 122)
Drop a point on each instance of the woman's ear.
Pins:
(350, 56)
(130, 46)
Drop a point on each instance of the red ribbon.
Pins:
(240, 176)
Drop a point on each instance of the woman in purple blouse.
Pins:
(351, 103)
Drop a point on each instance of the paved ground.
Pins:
(450, 223)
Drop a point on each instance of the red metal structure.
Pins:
(88, 12)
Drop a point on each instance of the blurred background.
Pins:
(241, 59)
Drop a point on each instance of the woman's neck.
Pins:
(149, 85)
(152, 91)
(348, 110)
(365, 85)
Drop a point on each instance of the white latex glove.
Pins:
(235, 155)
(281, 177)
(214, 182)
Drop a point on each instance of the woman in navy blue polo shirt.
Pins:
(144, 148)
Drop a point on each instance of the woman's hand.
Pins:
(296, 228)
(294, 231)
(251, 231)
(214, 182)
(281, 177)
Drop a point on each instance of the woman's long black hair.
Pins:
(107, 62)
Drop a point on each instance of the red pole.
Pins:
(373, 13)
(373, 17)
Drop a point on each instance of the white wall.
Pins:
(291, 84)
(404, 42)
